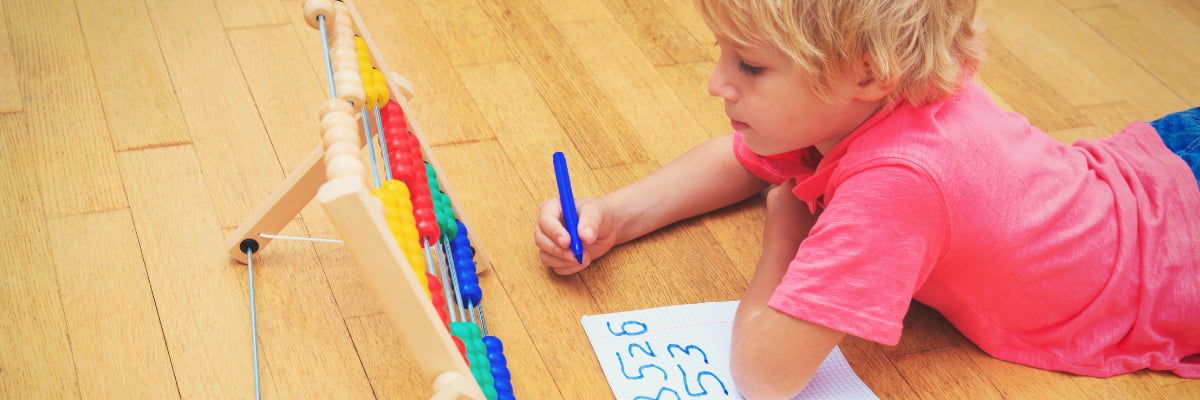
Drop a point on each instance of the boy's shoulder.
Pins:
(968, 124)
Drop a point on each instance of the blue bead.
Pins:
(493, 344)
(471, 294)
(503, 389)
(501, 374)
(497, 359)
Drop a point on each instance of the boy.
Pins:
(898, 179)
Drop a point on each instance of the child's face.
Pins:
(772, 105)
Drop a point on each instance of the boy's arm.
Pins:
(703, 179)
(774, 355)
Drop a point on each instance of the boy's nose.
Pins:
(718, 86)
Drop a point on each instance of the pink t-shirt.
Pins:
(1080, 258)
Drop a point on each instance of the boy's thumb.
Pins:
(587, 234)
(589, 220)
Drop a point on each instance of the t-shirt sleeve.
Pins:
(754, 162)
(872, 247)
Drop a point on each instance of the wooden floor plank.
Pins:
(1184, 390)
(1016, 381)
(996, 97)
(76, 168)
(130, 75)
(1031, 96)
(99, 270)
(561, 79)
(684, 13)
(35, 353)
(1187, 7)
(738, 230)
(234, 151)
(1086, 4)
(1109, 118)
(560, 12)
(389, 366)
(10, 89)
(657, 32)
(510, 103)
(193, 283)
(21, 206)
(875, 369)
(440, 103)
(1130, 386)
(466, 34)
(681, 264)
(36, 361)
(287, 94)
(314, 52)
(301, 331)
(1135, 26)
(657, 119)
(945, 373)
(690, 83)
(246, 13)
(1067, 54)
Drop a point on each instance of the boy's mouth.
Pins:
(738, 125)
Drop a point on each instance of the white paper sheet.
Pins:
(682, 352)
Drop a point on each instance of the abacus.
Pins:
(404, 234)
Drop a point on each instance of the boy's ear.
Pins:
(870, 86)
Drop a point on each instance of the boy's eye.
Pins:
(749, 69)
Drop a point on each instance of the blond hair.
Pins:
(926, 47)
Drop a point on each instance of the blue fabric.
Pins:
(1181, 133)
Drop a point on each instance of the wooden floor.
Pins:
(136, 134)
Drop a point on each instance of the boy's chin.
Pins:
(763, 149)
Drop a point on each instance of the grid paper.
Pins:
(682, 351)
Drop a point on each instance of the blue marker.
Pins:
(567, 199)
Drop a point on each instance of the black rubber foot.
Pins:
(249, 245)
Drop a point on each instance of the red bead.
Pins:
(462, 349)
(435, 297)
(401, 173)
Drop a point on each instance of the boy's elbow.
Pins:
(774, 356)
(755, 381)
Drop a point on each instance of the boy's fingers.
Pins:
(560, 265)
(546, 243)
(549, 222)
(568, 270)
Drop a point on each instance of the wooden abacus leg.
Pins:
(284, 204)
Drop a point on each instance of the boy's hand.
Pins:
(787, 222)
(596, 231)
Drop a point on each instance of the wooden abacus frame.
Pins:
(359, 219)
